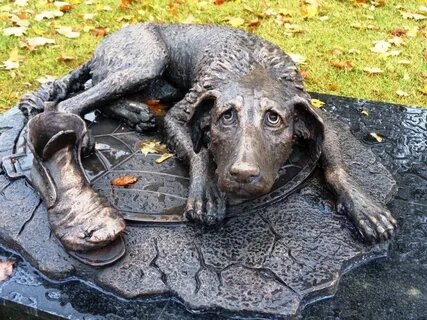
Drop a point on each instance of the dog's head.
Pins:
(251, 126)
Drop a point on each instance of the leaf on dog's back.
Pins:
(124, 181)
(317, 103)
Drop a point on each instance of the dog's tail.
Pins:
(55, 91)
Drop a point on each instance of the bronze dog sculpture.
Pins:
(243, 108)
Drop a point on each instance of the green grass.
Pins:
(321, 42)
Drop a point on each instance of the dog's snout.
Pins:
(244, 171)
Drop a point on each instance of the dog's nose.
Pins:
(244, 171)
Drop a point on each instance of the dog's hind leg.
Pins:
(114, 86)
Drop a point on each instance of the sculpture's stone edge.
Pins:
(8, 137)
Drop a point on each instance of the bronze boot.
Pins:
(80, 218)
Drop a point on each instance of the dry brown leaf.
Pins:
(68, 32)
(14, 31)
(254, 23)
(6, 269)
(372, 70)
(219, 2)
(333, 86)
(398, 32)
(63, 6)
(156, 107)
(344, 65)
(124, 181)
(99, 32)
(51, 14)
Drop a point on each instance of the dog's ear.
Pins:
(308, 124)
(201, 120)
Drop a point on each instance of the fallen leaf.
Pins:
(392, 53)
(14, 31)
(51, 14)
(10, 65)
(317, 103)
(235, 21)
(376, 136)
(66, 58)
(398, 32)
(412, 32)
(254, 23)
(68, 32)
(372, 70)
(156, 107)
(153, 146)
(6, 269)
(396, 41)
(99, 32)
(344, 65)
(35, 42)
(46, 79)
(88, 16)
(365, 113)
(333, 86)
(380, 46)
(292, 29)
(63, 6)
(124, 181)
(423, 90)
(219, 2)
(413, 16)
(402, 93)
(298, 59)
(425, 54)
(324, 18)
(406, 77)
(164, 157)
(309, 8)
(20, 20)
(14, 60)
(21, 3)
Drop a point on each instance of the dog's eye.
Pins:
(228, 117)
(272, 119)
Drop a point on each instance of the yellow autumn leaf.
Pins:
(365, 113)
(317, 103)
(164, 157)
(309, 8)
(153, 147)
(236, 21)
(423, 90)
(376, 136)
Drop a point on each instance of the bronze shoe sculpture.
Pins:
(84, 222)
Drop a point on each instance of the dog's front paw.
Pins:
(374, 222)
(205, 204)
